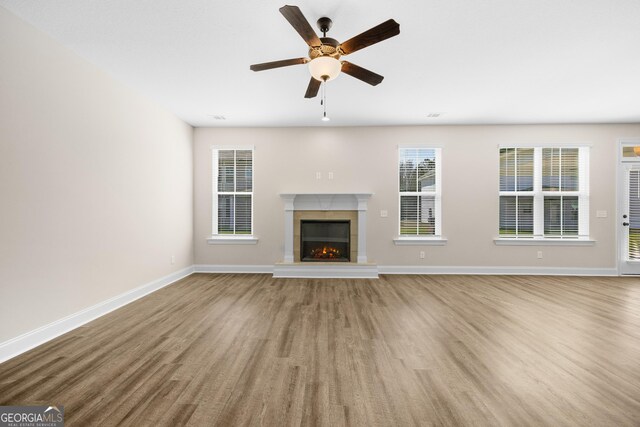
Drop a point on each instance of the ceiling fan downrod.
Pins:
(324, 24)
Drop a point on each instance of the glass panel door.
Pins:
(629, 220)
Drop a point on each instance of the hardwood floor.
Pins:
(402, 350)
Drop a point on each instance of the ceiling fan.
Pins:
(325, 52)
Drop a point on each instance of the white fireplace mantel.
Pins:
(325, 202)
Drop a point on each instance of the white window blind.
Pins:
(419, 189)
(232, 191)
(544, 192)
(634, 215)
(516, 191)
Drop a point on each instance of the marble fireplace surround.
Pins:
(296, 202)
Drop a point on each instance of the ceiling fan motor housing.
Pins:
(329, 47)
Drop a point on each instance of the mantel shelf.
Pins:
(327, 194)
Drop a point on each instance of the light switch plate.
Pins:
(601, 214)
(384, 214)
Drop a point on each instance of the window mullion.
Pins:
(560, 183)
(235, 189)
(515, 188)
(417, 196)
(438, 192)
(417, 214)
(583, 191)
(561, 216)
(538, 198)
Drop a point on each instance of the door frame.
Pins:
(621, 193)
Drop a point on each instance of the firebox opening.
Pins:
(325, 240)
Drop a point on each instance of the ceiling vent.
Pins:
(217, 117)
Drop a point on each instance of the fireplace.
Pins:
(325, 240)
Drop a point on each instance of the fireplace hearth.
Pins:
(325, 240)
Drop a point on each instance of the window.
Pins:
(232, 192)
(544, 192)
(419, 182)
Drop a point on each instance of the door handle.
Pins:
(626, 224)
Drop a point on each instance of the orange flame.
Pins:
(326, 252)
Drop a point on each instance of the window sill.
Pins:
(505, 241)
(419, 241)
(232, 240)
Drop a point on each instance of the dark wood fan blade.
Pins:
(312, 89)
(361, 73)
(301, 25)
(277, 64)
(375, 35)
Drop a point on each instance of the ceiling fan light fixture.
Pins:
(324, 68)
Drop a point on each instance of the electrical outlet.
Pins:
(601, 214)
(422, 254)
(173, 259)
(384, 214)
(539, 254)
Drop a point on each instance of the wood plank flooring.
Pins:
(233, 349)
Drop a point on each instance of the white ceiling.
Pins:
(477, 62)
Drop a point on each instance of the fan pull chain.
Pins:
(323, 101)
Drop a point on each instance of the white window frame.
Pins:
(216, 238)
(437, 238)
(538, 237)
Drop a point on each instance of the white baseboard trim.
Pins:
(29, 340)
(371, 270)
(213, 268)
(296, 270)
(326, 271)
(535, 271)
